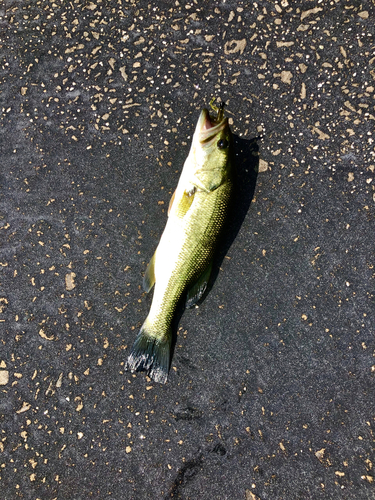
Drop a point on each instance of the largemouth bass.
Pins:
(181, 265)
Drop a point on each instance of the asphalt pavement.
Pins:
(271, 394)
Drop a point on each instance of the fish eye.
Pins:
(222, 144)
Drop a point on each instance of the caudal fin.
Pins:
(151, 355)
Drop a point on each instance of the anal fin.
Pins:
(197, 290)
(149, 277)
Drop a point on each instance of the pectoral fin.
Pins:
(197, 290)
(149, 277)
(181, 206)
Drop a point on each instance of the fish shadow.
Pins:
(246, 158)
(247, 165)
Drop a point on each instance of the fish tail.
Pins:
(151, 354)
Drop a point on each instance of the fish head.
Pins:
(212, 142)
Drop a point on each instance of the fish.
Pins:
(181, 265)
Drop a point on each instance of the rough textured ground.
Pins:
(271, 392)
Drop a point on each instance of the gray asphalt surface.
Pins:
(271, 391)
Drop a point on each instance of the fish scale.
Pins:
(191, 261)
(182, 261)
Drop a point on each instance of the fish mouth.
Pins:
(209, 127)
